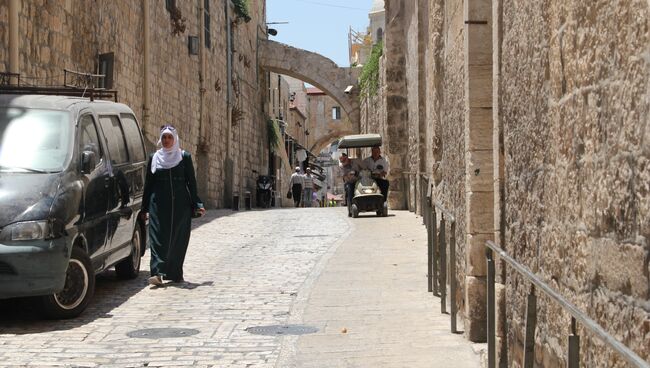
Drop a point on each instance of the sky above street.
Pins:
(318, 25)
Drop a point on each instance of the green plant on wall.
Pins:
(273, 135)
(369, 79)
(242, 10)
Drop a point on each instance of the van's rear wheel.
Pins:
(77, 291)
(129, 267)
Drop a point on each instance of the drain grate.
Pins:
(162, 333)
(282, 330)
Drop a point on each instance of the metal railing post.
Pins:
(434, 250)
(531, 322)
(491, 314)
(420, 186)
(452, 275)
(426, 204)
(573, 360)
(430, 255)
(443, 265)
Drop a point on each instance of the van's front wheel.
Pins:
(129, 267)
(77, 291)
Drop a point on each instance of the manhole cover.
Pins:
(282, 330)
(162, 333)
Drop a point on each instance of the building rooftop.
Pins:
(314, 91)
(377, 6)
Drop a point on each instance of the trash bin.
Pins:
(247, 200)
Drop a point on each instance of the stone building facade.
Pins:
(213, 96)
(298, 110)
(327, 120)
(530, 122)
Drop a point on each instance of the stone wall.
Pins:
(574, 97)
(323, 127)
(412, 102)
(373, 108)
(70, 34)
(537, 140)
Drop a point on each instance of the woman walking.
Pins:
(170, 200)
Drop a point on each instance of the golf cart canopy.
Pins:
(360, 140)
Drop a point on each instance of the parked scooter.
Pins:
(264, 190)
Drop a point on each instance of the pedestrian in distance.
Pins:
(170, 201)
(308, 188)
(296, 183)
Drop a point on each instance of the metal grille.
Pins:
(162, 333)
(277, 330)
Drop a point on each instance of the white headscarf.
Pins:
(166, 158)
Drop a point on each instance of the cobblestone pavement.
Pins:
(242, 269)
(361, 283)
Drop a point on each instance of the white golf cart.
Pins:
(367, 195)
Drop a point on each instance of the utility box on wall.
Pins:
(193, 45)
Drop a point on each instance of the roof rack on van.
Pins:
(10, 84)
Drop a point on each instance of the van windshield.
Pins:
(34, 140)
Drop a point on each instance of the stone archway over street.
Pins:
(314, 69)
(325, 140)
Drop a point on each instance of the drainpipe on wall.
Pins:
(202, 160)
(14, 41)
(145, 87)
(201, 71)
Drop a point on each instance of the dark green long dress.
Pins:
(170, 197)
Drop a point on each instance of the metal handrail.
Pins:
(577, 315)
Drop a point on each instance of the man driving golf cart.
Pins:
(371, 188)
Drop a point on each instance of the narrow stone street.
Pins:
(361, 284)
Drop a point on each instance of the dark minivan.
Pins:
(71, 182)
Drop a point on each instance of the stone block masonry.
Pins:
(536, 137)
(72, 34)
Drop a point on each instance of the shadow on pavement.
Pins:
(21, 315)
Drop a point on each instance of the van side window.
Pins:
(115, 139)
(89, 139)
(133, 138)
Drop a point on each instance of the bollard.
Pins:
(247, 201)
